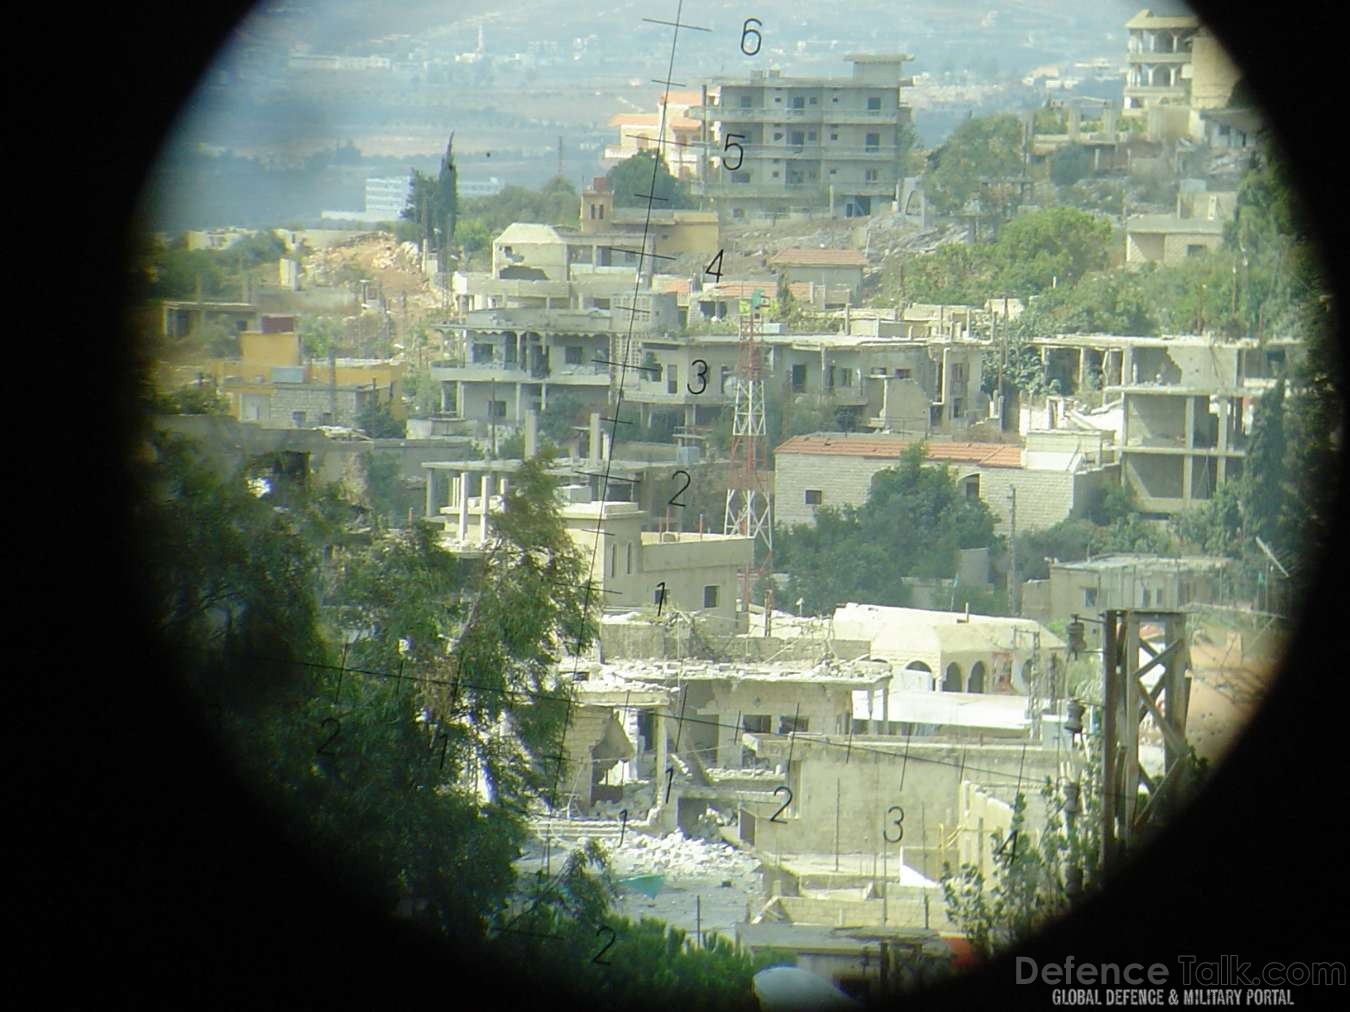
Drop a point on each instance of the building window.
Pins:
(628, 558)
(572, 354)
(613, 559)
(872, 142)
(834, 135)
(1194, 249)
(798, 378)
(778, 135)
(710, 596)
(672, 379)
(496, 409)
(298, 419)
(326, 418)
(789, 725)
(814, 497)
(813, 100)
(756, 723)
(973, 487)
(745, 101)
(845, 377)
(810, 135)
(870, 175)
(774, 173)
(1148, 597)
(1089, 597)
(903, 374)
(482, 353)
(874, 104)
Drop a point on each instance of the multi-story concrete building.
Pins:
(1188, 405)
(670, 127)
(1176, 69)
(1158, 60)
(504, 363)
(782, 144)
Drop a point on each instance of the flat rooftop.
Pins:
(881, 447)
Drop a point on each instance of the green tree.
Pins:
(1114, 302)
(914, 521)
(1263, 488)
(1070, 164)
(1058, 245)
(385, 753)
(1214, 527)
(377, 421)
(978, 161)
(1029, 885)
(646, 173)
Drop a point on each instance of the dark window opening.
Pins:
(814, 497)
(792, 725)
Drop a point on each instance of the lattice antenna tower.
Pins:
(747, 510)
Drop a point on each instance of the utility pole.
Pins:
(1012, 553)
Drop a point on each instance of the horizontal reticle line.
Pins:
(677, 25)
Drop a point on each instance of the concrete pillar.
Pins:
(659, 775)
(505, 487)
(463, 504)
(594, 454)
(531, 433)
(459, 398)
(519, 413)
(431, 492)
(1082, 367)
(1075, 119)
(486, 494)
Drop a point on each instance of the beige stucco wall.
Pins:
(866, 782)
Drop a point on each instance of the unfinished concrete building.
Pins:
(1188, 412)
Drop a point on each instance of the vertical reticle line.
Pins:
(623, 371)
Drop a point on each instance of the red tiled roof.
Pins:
(819, 258)
(889, 448)
(742, 289)
(671, 283)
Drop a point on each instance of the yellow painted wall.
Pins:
(258, 349)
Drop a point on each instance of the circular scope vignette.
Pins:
(745, 510)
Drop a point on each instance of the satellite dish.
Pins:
(791, 989)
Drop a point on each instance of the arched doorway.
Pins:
(976, 678)
(919, 667)
(952, 681)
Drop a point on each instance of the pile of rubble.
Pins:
(679, 857)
